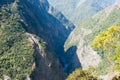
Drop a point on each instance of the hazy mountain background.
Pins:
(76, 10)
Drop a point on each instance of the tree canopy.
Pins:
(79, 74)
(109, 42)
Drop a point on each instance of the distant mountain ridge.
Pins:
(85, 9)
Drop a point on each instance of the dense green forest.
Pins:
(16, 51)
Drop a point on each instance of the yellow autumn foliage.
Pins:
(107, 38)
(109, 41)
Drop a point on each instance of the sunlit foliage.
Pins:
(109, 42)
(79, 74)
(16, 51)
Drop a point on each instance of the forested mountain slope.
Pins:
(31, 41)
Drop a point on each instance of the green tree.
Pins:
(79, 74)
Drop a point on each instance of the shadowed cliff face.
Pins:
(45, 25)
(5, 2)
(47, 66)
(51, 28)
(72, 60)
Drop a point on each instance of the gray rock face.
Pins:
(86, 55)
(6, 77)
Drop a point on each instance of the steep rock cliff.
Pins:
(53, 28)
